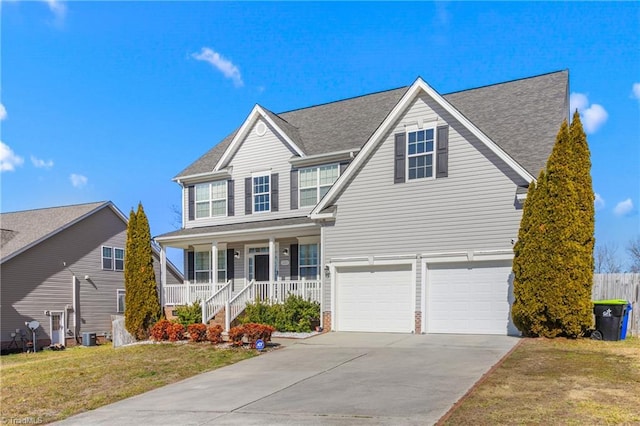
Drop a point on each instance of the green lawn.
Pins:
(54, 385)
(558, 381)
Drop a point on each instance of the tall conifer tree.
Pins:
(142, 306)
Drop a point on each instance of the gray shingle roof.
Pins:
(521, 116)
(23, 229)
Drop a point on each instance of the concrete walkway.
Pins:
(332, 379)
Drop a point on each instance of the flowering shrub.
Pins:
(197, 332)
(236, 334)
(214, 334)
(175, 332)
(160, 330)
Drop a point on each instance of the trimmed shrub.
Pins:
(235, 335)
(214, 333)
(253, 332)
(197, 332)
(191, 314)
(175, 332)
(160, 330)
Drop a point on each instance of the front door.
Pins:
(57, 328)
(261, 272)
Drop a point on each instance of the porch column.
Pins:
(272, 269)
(272, 258)
(163, 273)
(214, 265)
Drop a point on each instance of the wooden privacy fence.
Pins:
(620, 286)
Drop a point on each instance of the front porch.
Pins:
(230, 266)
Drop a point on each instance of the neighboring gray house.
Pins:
(63, 267)
(397, 210)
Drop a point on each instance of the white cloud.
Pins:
(58, 9)
(78, 181)
(41, 164)
(3, 112)
(593, 116)
(8, 159)
(635, 90)
(623, 207)
(223, 65)
(599, 202)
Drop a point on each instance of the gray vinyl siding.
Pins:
(472, 208)
(268, 153)
(36, 280)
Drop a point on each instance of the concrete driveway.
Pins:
(335, 378)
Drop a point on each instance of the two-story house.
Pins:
(396, 210)
(64, 268)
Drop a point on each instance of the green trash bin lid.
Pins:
(611, 302)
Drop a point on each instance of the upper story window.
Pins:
(420, 153)
(261, 193)
(211, 199)
(315, 182)
(112, 258)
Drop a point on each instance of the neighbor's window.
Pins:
(119, 259)
(211, 199)
(315, 182)
(107, 258)
(308, 261)
(261, 201)
(420, 153)
(120, 300)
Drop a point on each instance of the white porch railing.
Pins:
(188, 293)
(278, 291)
(215, 303)
(237, 304)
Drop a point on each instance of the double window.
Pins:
(211, 199)
(420, 153)
(261, 193)
(112, 258)
(202, 266)
(315, 182)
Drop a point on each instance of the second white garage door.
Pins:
(375, 298)
(469, 298)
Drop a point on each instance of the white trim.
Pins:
(211, 200)
(124, 292)
(422, 154)
(243, 132)
(253, 193)
(313, 239)
(317, 185)
(418, 86)
(203, 177)
(239, 231)
(317, 159)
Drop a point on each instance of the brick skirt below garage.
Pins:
(326, 321)
(418, 323)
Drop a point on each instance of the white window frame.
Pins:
(317, 186)
(222, 265)
(255, 194)
(103, 257)
(431, 153)
(196, 271)
(119, 292)
(210, 200)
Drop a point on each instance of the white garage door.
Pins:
(375, 298)
(469, 298)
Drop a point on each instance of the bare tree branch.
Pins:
(633, 248)
(606, 260)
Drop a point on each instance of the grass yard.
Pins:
(53, 385)
(559, 381)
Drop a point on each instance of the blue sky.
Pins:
(110, 100)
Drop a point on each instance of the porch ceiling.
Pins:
(245, 231)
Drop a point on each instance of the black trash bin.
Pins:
(609, 314)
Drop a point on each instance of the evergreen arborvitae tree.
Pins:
(553, 263)
(142, 306)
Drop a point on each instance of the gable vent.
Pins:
(261, 129)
